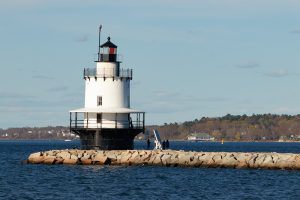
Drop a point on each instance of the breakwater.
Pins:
(169, 158)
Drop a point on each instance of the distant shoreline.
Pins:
(176, 140)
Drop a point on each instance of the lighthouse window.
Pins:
(99, 100)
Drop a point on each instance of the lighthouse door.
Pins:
(99, 120)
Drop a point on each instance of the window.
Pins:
(99, 117)
(99, 101)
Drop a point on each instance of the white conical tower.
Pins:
(107, 121)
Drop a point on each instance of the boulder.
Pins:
(74, 157)
(286, 161)
(184, 158)
(157, 160)
(86, 161)
(59, 161)
(135, 158)
(86, 155)
(217, 158)
(111, 155)
(251, 161)
(297, 163)
(152, 158)
(243, 159)
(64, 155)
(146, 157)
(70, 161)
(49, 160)
(143, 152)
(36, 158)
(100, 159)
(50, 153)
(268, 162)
(79, 155)
(135, 154)
(125, 159)
(174, 160)
(205, 159)
(230, 161)
(73, 151)
(166, 159)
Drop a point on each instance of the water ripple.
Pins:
(22, 181)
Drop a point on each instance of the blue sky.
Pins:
(190, 58)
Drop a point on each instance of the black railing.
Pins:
(84, 124)
(89, 72)
(107, 73)
(135, 121)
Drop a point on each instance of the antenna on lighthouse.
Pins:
(100, 27)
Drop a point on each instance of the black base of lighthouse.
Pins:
(107, 139)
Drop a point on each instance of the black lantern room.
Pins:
(108, 52)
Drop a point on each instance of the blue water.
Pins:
(24, 181)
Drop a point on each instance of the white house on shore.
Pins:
(200, 137)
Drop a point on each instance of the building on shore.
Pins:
(107, 121)
(200, 137)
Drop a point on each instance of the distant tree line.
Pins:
(236, 127)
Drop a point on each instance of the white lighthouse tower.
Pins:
(107, 121)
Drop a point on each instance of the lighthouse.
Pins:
(107, 120)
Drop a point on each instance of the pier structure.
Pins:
(107, 121)
(169, 158)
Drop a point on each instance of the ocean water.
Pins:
(26, 181)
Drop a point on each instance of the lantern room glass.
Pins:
(108, 50)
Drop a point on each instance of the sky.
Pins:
(190, 59)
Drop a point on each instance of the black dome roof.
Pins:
(108, 44)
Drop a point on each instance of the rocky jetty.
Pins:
(168, 158)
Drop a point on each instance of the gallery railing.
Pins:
(107, 73)
(79, 122)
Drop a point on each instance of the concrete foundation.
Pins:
(107, 139)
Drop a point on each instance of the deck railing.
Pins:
(81, 122)
(107, 73)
